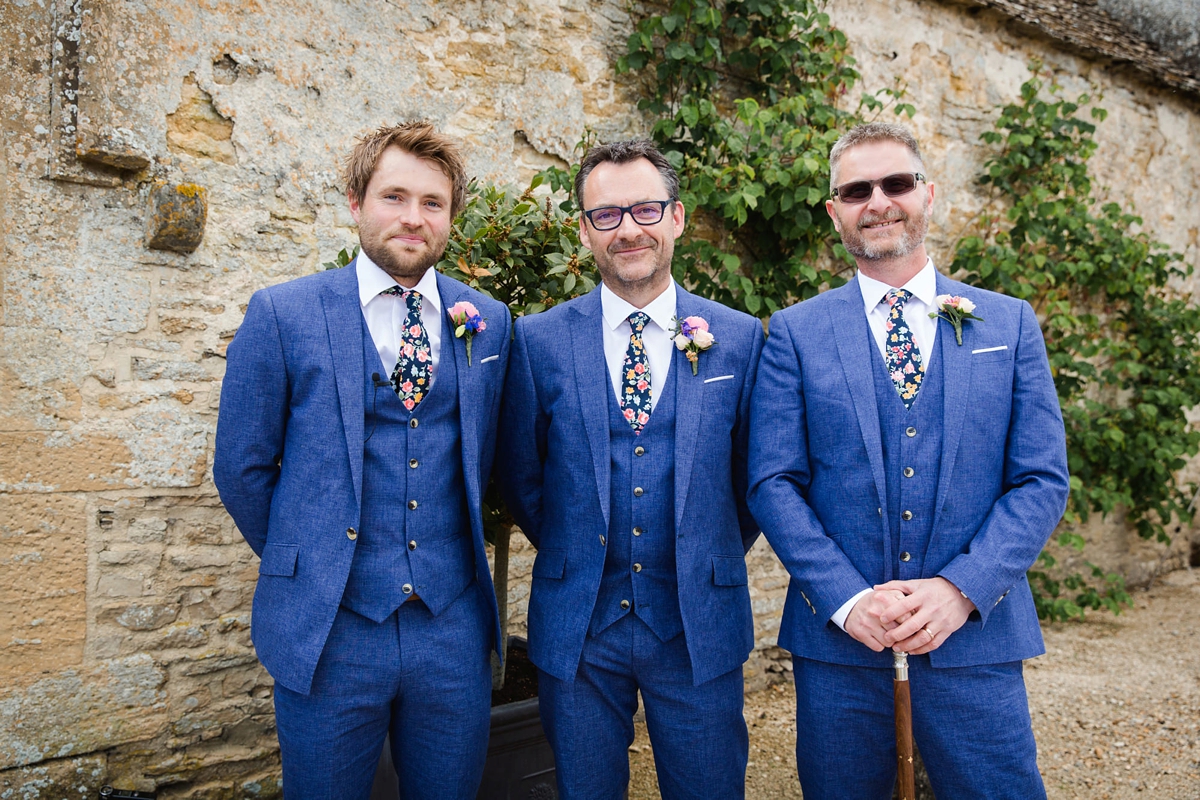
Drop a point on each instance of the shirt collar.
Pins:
(372, 280)
(616, 310)
(923, 286)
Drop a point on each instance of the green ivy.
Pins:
(1122, 340)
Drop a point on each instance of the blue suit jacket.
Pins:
(554, 447)
(289, 450)
(817, 480)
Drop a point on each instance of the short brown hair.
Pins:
(417, 138)
(623, 153)
(873, 132)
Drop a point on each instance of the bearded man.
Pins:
(354, 441)
(623, 440)
(908, 464)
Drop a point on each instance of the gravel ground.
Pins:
(1115, 704)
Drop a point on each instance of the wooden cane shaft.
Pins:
(904, 741)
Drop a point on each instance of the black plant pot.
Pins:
(520, 764)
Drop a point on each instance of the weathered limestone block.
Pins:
(76, 711)
(197, 128)
(176, 217)
(57, 778)
(39, 462)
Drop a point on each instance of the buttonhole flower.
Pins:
(955, 310)
(467, 323)
(692, 337)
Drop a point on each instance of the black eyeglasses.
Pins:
(607, 218)
(895, 185)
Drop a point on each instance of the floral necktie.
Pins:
(900, 353)
(635, 376)
(410, 378)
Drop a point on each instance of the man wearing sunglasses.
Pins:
(624, 462)
(907, 479)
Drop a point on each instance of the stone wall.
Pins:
(124, 588)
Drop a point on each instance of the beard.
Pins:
(399, 261)
(915, 228)
(634, 276)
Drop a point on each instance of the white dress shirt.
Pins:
(917, 309)
(385, 313)
(656, 337)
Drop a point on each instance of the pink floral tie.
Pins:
(635, 375)
(411, 377)
(900, 353)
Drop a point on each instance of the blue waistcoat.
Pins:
(414, 536)
(639, 562)
(912, 455)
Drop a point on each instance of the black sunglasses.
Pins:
(895, 185)
(608, 218)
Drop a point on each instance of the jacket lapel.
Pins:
(856, 356)
(956, 380)
(594, 387)
(469, 390)
(344, 322)
(689, 394)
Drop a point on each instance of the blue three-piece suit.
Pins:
(852, 489)
(640, 579)
(374, 608)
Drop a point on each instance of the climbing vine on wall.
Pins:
(1121, 335)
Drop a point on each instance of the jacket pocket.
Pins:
(729, 571)
(279, 559)
(550, 564)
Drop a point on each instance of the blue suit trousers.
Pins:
(971, 725)
(426, 679)
(697, 732)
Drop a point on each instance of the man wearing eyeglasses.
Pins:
(907, 469)
(623, 445)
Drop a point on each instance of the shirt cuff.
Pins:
(839, 616)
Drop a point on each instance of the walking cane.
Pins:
(904, 736)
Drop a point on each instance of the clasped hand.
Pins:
(913, 617)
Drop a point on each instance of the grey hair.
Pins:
(623, 153)
(868, 133)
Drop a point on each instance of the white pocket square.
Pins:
(719, 378)
(489, 358)
(989, 349)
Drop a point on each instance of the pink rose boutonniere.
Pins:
(467, 323)
(955, 310)
(692, 337)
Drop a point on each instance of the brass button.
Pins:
(637, 567)
(909, 431)
(406, 588)
(412, 423)
(413, 463)
(906, 516)
(637, 492)
(412, 505)
(905, 556)
(603, 541)
(351, 534)
(412, 544)
(624, 604)
(908, 472)
(639, 451)
(637, 531)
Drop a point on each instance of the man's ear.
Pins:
(837, 224)
(584, 236)
(355, 206)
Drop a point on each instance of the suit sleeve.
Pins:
(1036, 483)
(522, 442)
(780, 476)
(252, 421)
(741, 443)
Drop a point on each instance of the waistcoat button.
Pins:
(406, 588)
(908, 472)
(637, 567)
(906, 516)
(351, 534)
(639, 451)
(602, 540)
(413, 463)
(624, 604)
(905, 556)
(412, 423)
(637, 531)
(412, 544)
(637, 492)
(412, 505)
(909, 431)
